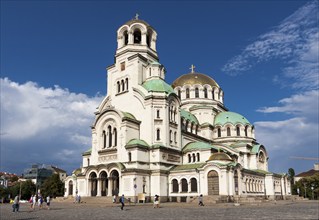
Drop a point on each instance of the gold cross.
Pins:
(136, 16)
(192, 68)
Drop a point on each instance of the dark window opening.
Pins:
(137, 37)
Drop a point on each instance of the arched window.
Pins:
(194, 157)
(110, 135)
(129, 156)
(88, 161)
(238, 130)
(219, 95)
(189, 158)
(170, 136)
(126, 82)
(213, 94)
(196, 93)
(193, 185)
(246, 131)
(187, 93)
(219, 132)
(104, 139)
(115, 136)
(175, 185)
(158, 134)
(137, 36)
(205, 93)
(198, 159)
(228, 131)
(184, 185)
(123, 86)
(125, 38)
(179, 93)
(158, 113)
(175, 134)
(118, 87)
(192, 125)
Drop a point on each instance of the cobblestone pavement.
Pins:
(270, 210)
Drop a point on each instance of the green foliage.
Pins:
(291, 175)
(27, 189)
(52, 186)
(305, 187)
(4, 192)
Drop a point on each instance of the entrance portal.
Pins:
(213, 183)
(115, 185)
(104, 183)
(93, 183)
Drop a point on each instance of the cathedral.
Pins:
(176, 141)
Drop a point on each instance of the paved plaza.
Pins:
(269, 210)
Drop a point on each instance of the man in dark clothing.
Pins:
(122, 201)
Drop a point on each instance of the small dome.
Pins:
(194, 78)
(133, 21)
(223, 118)
(220, 156)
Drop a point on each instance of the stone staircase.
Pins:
(208, 199)
(88, 199)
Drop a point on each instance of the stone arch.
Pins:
(70, 188)
(104, 183)
(213, 183)
(93, 183)
(115, 182)
(174, 186)
(184, 185)
(193, 184)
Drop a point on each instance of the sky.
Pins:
(54, 54)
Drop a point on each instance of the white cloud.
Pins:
(44, 124)
(296, 136)
(294, 41)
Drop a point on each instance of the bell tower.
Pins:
(136, 51)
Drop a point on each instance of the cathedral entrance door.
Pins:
(213, 183)
(115, 182)
(104, 183)
(93, 184)
(71, 187)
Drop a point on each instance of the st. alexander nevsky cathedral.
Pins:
(176, 141)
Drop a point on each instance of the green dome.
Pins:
(158, 85)
(223, 118)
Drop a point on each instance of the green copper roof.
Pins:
(189, 116)
(223, 118)
(158, 85)
(137, 142)
(188, 166)
(88, 152)
(129, 115)
(255, 148)
(198, 146)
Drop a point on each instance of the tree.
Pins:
(52, 186)
(291, 175)
(27, 189)
(308, 186)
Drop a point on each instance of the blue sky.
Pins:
(264, 55)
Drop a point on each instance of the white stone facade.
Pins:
(175, 141)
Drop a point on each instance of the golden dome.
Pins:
(220, 156)
(194, 78)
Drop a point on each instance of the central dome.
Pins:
(194, 78)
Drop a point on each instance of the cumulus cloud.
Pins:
(44, 125)
(296, 136)
(294, 41)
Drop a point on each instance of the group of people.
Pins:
(34, 200)
(38, 200)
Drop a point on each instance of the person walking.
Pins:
(48, 202)
(200, 200)
(156, 201)
(15, 205)
(122, 201)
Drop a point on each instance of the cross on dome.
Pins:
(192, 68)
(136, 16)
